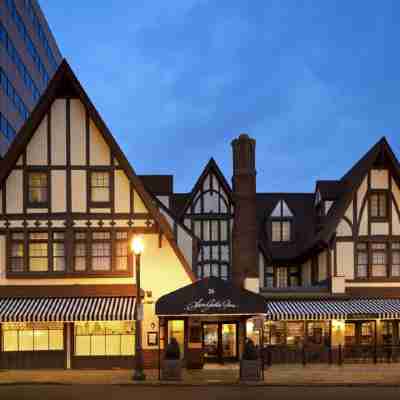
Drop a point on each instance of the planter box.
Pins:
(171, 370)
(250, 370)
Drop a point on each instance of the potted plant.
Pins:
(172, 365)
(250, 365)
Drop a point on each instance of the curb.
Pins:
(204, 384)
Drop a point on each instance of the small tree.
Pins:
(172, 352)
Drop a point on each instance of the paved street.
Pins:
(64, 392)
(313, 374)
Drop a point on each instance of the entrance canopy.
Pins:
(333, 309)
(61, 309)
(211, 296)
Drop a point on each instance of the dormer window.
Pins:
(281, 231)
(281, 223)
(378, 204)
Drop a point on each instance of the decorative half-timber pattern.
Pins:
(62, 309)
(333, 309)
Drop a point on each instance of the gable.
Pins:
(66, 139)
(210, 194)
(281, 210)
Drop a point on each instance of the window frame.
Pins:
(36, 204)
(281, 222)
(370, 251)
(48, 243)
(271, 271)
(101, 204)
(379, 193)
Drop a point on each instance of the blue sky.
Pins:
(316, 83)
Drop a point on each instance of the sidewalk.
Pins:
(279, 375)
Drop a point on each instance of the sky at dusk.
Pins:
(316, 83)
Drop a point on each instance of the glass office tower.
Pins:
(29, 56)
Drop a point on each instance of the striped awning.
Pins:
(45, 309)
(333, 309)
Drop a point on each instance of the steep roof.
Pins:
(310, 232)
(329, 190)
(380, 152)
(159, 185)
(65, 84)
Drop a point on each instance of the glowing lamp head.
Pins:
(137, 245)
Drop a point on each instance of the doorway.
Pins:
(220, 341)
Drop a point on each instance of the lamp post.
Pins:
(137, 249)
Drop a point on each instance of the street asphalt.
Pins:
(131, 392)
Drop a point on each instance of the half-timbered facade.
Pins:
(70, 203)
(221, 262)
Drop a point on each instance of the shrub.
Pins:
(172, 352)
(250, 351)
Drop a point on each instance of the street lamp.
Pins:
(137, 248)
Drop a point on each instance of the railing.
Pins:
(339, 355)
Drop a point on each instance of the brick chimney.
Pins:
(244, 240)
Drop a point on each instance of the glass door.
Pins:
(210, 342)
(176, 329)
(229, 341)
(220, 341)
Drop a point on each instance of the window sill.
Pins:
(58, 275)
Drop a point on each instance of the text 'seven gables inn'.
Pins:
(221, 263)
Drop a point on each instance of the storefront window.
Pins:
(367, 333)
(350, 333)
(33, 336)
(274, 333)
(318, 333)
(387, 332)
(100, 338)
(295, 333)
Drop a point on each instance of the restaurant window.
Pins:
(378, 204)
(367, 333)
(58, 251)
(318, 333)
(17, 252)
(104, 338)
(378, 260)
(362, 260)
(275, 333)
(80, 251)
(101, 251)
(21, 336)
(100, 187)
(295, 333)
(388, 332)
(121, 251)
(350, 333)
(37, 189)
(38, 252)
(395, 272)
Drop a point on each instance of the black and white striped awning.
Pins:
(333, 309)
(45, 309)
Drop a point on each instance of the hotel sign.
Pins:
(211, 305)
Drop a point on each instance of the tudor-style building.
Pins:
(221, 262)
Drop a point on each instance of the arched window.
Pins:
(210, 202)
